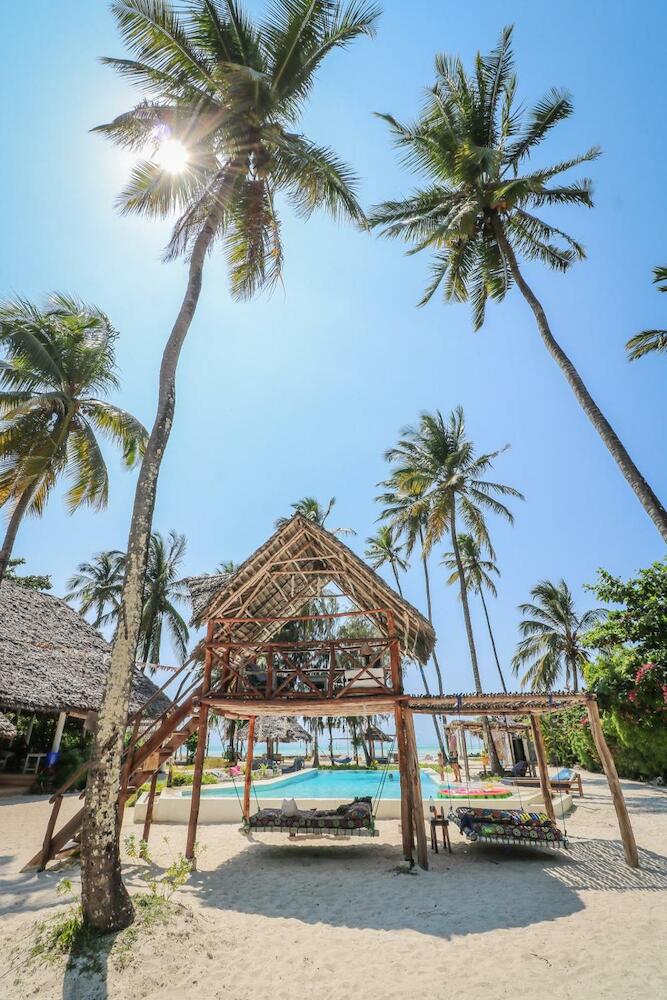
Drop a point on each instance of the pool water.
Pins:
(313, 784)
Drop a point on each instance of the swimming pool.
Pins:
(312, 784)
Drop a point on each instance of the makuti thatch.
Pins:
(276, 727)
(7, 728)
(53, 660)
(299, 562)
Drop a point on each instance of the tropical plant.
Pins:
(227, 566)
(552, 644)
(383, 548)
(96, 586)
(161, 590)
(223, 100)
(649, 340)
(406, 516)
(32, 581)
(58, 362)
(476, 211)
(437, 465)
(313, 510)
(478, 575)
(640, 620)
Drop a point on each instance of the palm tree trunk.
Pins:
(316, 750)
(398, 582)
(429, 612)
(647, 497)
(105, 900)
(13, 527)
(493, 641)
(463, 585)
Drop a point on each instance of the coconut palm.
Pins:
(383, 548)
(406, 515)
(59, 364)
(162, 589)
(96, 586)
(477, 211)
(222, 100)
(313, 510)
(552, 638)
(649, 340)
(227, 566)
(479, 577)
(437, 464)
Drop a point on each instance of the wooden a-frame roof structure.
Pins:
(297, 564)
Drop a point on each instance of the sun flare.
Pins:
(172, 155)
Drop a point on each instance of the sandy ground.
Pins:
(327, 920)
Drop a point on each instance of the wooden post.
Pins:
(406, 796)
(541, 752)
(394, 654)
(202, 730)
(415, 781)
(196, 782)
(248, 767)
(624, 825)
(149, 807)
(461, 736)
(45, 856)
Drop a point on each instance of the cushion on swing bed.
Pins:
(506, 824)
(355, 815)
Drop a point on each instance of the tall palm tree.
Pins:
(552, 634)
(96, 586)
(227, 95)
(476, 211)
(59, 364)
(438, 464)
(478, 575)
(313, 510)
(406, 514)
(383, 548)
(162, 589)
(649, 340)
(227, 566)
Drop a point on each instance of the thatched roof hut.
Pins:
(375, 734)
(298, 562)
(276, 727)
(52, 660)
(7, 728)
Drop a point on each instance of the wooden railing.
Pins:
(322, 668)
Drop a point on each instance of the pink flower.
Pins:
(632, 695)
(664, 692)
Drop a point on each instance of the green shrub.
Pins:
(184, 778)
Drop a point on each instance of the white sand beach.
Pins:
(337, 921)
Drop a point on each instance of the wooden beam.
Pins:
(541, 753)
(624, 825)
(406, 792)
(149, 807)
(248, 767)
(48, 835)
(200, 753)
(245, 708)
(416, 789)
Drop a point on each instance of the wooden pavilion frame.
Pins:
(250, 671)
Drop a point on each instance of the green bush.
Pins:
(183, 778)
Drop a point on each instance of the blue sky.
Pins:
(302, 392)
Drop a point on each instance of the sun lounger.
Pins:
(354, 819)
(507, 826)
(563, 781)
